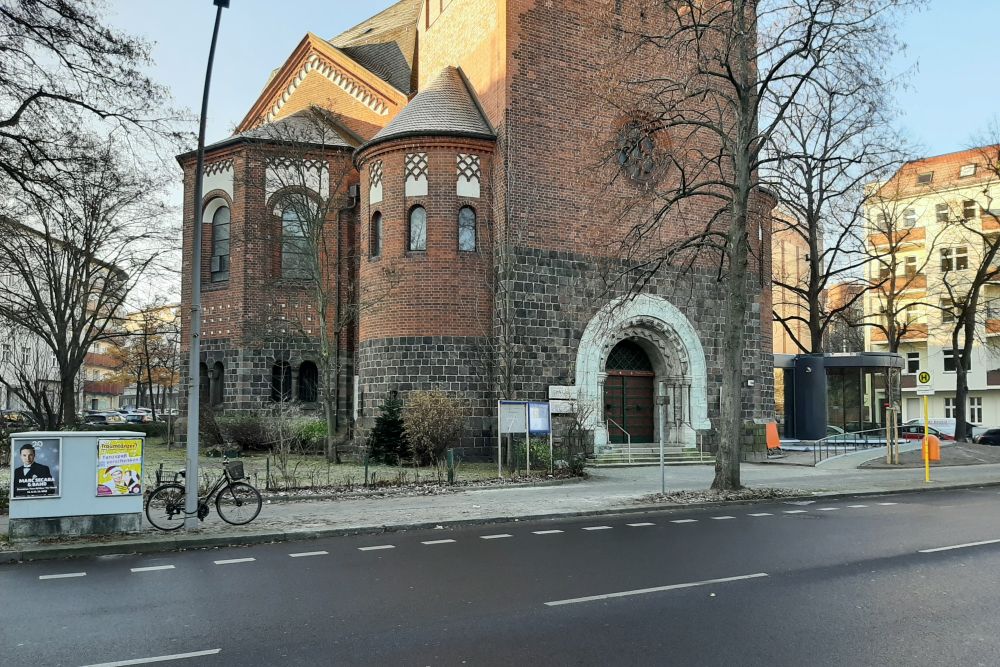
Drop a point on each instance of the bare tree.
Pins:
(730, 73)
(76, 250)
(829, 144)
(62, 68)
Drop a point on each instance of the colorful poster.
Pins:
(119, 467)
(35, 467)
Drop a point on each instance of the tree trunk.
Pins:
(67, 395)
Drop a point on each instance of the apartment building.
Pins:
(930, 226)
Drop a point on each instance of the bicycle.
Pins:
(236, 501)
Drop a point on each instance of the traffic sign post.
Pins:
(925, 389)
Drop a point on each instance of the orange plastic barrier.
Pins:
(773, 441)
(934, 445)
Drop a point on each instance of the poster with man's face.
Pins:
(35, 466)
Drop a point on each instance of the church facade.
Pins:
(485, 173)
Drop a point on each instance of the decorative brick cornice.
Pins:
(340, 77)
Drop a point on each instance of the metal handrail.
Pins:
(854, 440)
(628, 437)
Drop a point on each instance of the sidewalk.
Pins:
(607, 490)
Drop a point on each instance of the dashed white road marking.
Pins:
(495, 537)
(597, 528)
(684, 521)
(232, 561)
(376, 548)
(546, 532)
(640, 525)
(68, 575)
(796, 511)
(856, 507)
(657, 589)
(959, 546)
(761, 514)
(159, 658)
(305, 554)
(721, 518)
(153, 568)
(429, 542)
(827, 509)
(887, 504)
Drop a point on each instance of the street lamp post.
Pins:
(194, 358)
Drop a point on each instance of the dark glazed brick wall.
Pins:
(457, 365)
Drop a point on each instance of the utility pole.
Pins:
(194, 358)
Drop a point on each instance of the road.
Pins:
(845, 582)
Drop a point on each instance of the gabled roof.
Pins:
(945, 171)
(386, 44)
(447, 106)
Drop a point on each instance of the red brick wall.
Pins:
(440, 291)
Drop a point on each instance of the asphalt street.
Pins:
(909, 579)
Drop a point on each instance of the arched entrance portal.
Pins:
(629, 393)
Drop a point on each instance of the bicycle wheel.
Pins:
(238, 503)
(165, 508)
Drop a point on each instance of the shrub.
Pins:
(311, 434)
(4, 498)
(540, 457)
(432, 421)
(387, 441)
(247, 432)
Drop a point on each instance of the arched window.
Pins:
(281, 382)
(418, 228)
(294, 244)
(467, 229)
(220, 244)
(308, 382)
(218, 383)
(375, 236)
(204, 383)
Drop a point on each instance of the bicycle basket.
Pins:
(235, 469)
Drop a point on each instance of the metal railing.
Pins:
(628, 436)
(843, 443)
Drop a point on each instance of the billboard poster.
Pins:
(119, 466)
(538, 418)
(35, 468)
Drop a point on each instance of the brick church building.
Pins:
(485, 175)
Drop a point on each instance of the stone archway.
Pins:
(674, 348)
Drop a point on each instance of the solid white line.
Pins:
(597, 528)
(381, 546)
(854, 507)
(310, 553)
(827, 509)
(796, 511)
(761, 514)
(494, 537)
(159, 658)
(959, 546)
(546, 532)
(721, 518)
(438, 542)
(63, 576)
(152, 568)
(639, 525)
(230, 561)
(657, 589)
(887, 504)
(684, 521)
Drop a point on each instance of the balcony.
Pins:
(911, 236)
(914, 333)
(104, 387)
(908, 382)
(992, 326)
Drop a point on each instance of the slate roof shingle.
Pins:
(385, 44)
(446, 106)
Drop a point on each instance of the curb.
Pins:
(157, 545)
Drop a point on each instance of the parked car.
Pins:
(137, 417)
(16, 419)
(916, 432)
(95, 417)
(989, 436)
